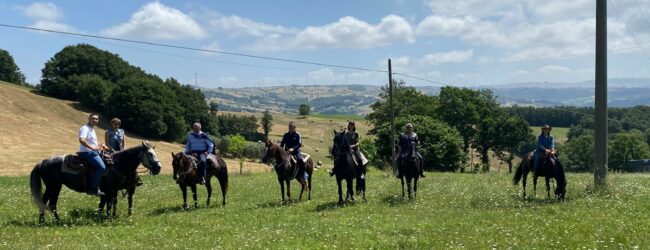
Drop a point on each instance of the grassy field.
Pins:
(452, 211)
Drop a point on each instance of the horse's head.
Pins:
(269, 150)
(149, 158)
(340, 144)
(176, 164)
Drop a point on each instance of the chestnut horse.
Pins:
(186, 175)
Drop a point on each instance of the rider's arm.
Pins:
(123, 136)
(187, 145)
(284, 141)
(210, 145)
(106, 139)
(83, 141)
(299, 144)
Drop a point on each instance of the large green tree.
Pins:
(578, 153)
(511, 134)
(406, 101)
(9, 71)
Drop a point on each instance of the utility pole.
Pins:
(600, 176)
(392, 116)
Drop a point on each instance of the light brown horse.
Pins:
(288, 170)
(186, 175)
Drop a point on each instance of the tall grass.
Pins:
(451, 211)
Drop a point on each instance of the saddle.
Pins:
(364, 160)
(305, 157)
(211, 161)
(75, 164)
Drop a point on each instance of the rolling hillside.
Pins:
(35, 127)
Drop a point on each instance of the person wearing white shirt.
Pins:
(89, 150)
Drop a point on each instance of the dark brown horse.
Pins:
(549, 167)
(346, 169)
(186, 175)
(50, 172)
(288, 170)
(409, 167)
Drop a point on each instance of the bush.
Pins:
(254, 150)
(369, 150)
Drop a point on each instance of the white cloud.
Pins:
(157, 21)
(236, 25)
(453, 56)
(554, 69)
(347, 32)
(45, 16)
(42, 11)
(212, 46)
(469, 29)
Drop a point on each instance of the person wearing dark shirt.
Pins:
(291, 142)
(407, 140)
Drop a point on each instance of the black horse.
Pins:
(409, 167)
(288, 170)
(550, 167)
(346, 169)
(50, 172)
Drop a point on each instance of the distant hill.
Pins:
(356, 99)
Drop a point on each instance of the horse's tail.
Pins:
(222, 176)
(35, 184)
(519, 173)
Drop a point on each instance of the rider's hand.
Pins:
(290, 150)
(206, 153)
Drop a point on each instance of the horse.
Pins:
(550, 167)
(186, 175)
(50, 172)
(409, 167)
(346, 169)
(288, 170)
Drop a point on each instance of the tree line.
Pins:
(449, 124)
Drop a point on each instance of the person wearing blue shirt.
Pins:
(545, 144)
(200, 144)
(291, 142)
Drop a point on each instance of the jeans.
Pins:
(94, 159)
(203, 164)
(538, 155)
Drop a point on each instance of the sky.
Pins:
(455, 42)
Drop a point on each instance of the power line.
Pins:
(620, 18)
(196, 49)
(638, 7)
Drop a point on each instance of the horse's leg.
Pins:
(54, 198)
(338, 183)
(535, 185)
(193, 187)
(46, 197)
(288, 189)
(523, 182)
(115, 204)
(415, 187)
(281, 188)
(350, 188)
(309, 185)
(102, 203)
(184, 190)
(208, 186)
(408, 186)
(130, 192)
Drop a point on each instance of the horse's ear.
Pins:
(153, 147)
(334, 130)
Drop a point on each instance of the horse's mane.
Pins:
(128, 152)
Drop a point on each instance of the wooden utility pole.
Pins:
(392, 116)
(600, 176)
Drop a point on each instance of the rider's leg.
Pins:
(398, 161)
(357, 155)
(301, 164)
(536, 160)
(202, 168)
(95, 182)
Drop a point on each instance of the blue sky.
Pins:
(458, 42)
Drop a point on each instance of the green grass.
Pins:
(558, 133)
(451, 211)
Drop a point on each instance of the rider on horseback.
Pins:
(89, 151)
(291, 142)
(114, 138)
(200, 144)
(407, 141)
(353, 139)
(545, 144)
